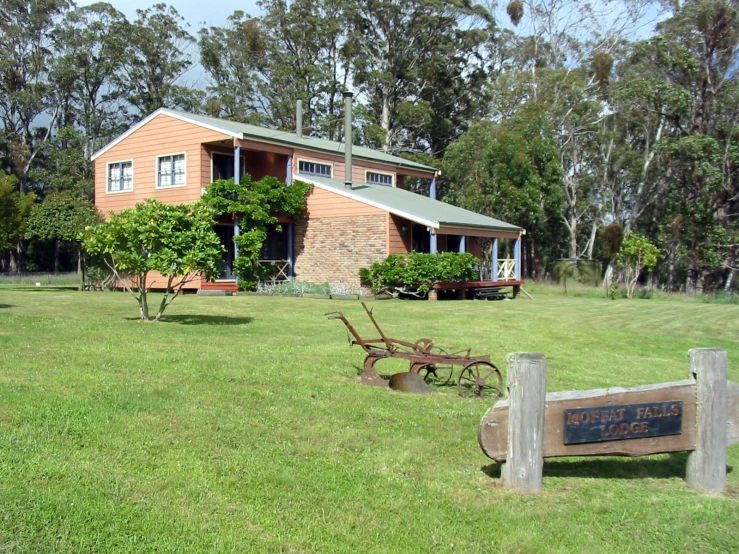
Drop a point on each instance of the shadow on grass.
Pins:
(204, 320)
(5, 306)
(611, 468)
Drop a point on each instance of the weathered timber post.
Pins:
(706, 470)
(527, 384)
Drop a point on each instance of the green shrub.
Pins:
(416, 273)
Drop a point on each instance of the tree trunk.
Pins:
(730, 261)
(608, 275)
(143, 306)
(572, 228)
(592, 240)
(56, 257)
(385, 121)
(80, 268)
(19, 266)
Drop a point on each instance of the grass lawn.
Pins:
(239, 425)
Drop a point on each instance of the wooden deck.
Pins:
(482, 289)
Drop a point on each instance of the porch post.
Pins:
(463, 243)
(494, 261)
(237, 164)
(237, 179)
(291, 225)
(432, 237)
(517, 257)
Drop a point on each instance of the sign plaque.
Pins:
(621, 422)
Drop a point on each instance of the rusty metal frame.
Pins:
(419, 354)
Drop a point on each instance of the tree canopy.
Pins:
(634, 103)
(177, 242)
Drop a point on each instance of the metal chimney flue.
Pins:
(299, 118)
(348, 139)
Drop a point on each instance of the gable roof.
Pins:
(261, 134)
(409, 205)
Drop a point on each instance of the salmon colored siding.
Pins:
(162, 135)
(323, 203)
(397, 241)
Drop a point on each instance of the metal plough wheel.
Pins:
(438, 374)
(480, 379)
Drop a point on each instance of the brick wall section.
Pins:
(334, 249)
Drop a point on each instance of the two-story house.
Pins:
(352, 220)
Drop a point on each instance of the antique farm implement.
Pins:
(478, 376)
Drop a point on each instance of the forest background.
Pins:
(582, 122)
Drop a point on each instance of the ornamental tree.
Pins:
(255, 204)
(636, 253)
(178, 242)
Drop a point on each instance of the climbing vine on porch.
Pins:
(256, 204)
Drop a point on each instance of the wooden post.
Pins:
(517, 257)
(494, 261)
(289, 171)
(706, 470)
(527, 384)
(237, 164)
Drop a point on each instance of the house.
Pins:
(353, 218)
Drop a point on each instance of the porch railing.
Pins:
(280, 270)
(506, 270)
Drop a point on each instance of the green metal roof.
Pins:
(308, 143)
(410, 205)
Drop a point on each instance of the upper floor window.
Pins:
(171, 171)
(313, 168)
(120, 176)
(374, 178)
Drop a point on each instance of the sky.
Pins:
(195, 12)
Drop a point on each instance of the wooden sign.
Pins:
(617, 421)
(628, 421)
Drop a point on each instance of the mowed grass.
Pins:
(239, 425)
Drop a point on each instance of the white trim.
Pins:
(156, 170)
(317, 162)
(151, 116)
(393, 175)
(107, 176)
(349, 194)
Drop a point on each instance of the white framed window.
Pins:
(120, 176)
(377, 178)
(171, 170)
(314, 168)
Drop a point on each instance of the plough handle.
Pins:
(374, 322)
